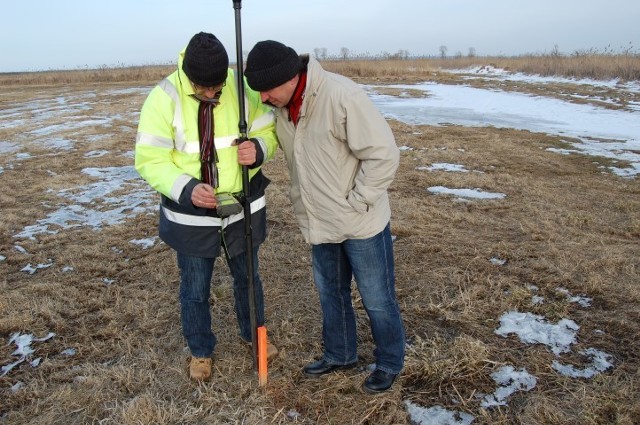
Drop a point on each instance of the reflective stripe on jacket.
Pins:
(167, 156)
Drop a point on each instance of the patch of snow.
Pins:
(510, 381)
(32, 269)
(582, 300)
(144, 243)
(534, 329)
(600, 362)
(466, 193)
(436, 415)
(24, 350)
(443, 166)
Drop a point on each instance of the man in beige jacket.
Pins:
(342, 157)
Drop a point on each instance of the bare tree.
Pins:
(344, 52)
(472, 52)
(320, 53)
(443, 51)
(400, 54)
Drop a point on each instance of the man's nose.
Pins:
(210, 93)
(264, 97)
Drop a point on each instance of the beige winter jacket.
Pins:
(342, 157)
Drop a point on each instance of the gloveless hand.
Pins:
(203, 196)
(246, 153)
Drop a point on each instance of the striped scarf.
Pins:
(208, 155)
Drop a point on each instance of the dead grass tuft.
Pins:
(563, 224)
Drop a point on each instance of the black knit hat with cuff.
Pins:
(271, 64)
(205, 60)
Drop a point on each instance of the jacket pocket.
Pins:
(357, 204)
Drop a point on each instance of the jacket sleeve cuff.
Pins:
(185, 196)
(261, 152)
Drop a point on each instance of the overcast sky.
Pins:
(69, 34)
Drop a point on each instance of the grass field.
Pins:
(118, 357)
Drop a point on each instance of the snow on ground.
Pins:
(600, 362)
(510, 381)
(466, 193)
(145, 242)
(436, 415)
(83, 210)
(24, 350)
(492, 73)
(614, 134)
(446, 104)
(444, 166)
(534, 329)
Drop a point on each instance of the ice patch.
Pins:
(600, 362)
(465, 193)
(443, 166)
(534, 329)
(24, 350)
(144, 243)
(510, 381)
(436, 415)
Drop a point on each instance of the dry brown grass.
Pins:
(625, 67)
(590, 64)
(564, 223)
(597, 67)
(142, 74)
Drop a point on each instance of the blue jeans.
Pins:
(195, 287)
(370, 261)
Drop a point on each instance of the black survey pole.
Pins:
(242, 127)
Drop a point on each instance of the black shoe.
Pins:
(379, 381)
(321, 367)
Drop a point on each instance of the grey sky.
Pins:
(70, 34)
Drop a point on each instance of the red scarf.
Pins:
(296, 100)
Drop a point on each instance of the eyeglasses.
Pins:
(202, 90)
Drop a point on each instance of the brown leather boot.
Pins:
(272, 350)
(200, 368)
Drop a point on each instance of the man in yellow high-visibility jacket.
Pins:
(187, 150)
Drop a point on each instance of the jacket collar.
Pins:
(315, 78)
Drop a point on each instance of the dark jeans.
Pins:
(370, 261)
(195, 287)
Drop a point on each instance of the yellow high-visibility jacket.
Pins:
(167, 156)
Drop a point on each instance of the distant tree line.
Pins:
(321, 53)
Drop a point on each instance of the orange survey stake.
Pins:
(262, 356)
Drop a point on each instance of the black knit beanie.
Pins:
(205, 60)
(270, 64)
